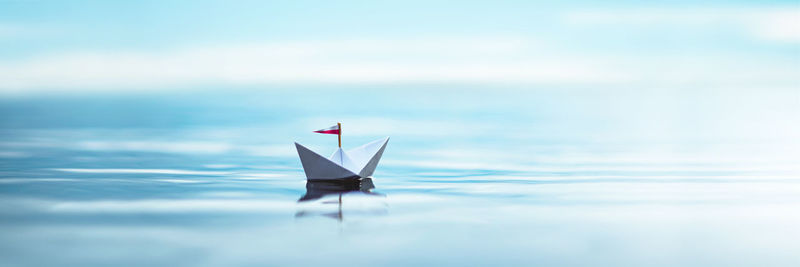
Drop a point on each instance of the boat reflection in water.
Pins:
(334, 198)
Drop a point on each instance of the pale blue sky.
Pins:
(119, 45)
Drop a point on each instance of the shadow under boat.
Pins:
(323, 193)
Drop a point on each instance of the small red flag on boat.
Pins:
(330, 130)
(336, 129)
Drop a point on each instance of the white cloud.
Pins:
(475, 60)
(779, 25)
(478, 60)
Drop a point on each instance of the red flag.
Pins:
(330, 130)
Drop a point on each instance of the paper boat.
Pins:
(358, 162)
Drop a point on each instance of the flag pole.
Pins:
(340, 133)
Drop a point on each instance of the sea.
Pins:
(471, 176)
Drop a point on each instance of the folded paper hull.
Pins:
(359, 162)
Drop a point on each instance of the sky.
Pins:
(142, 46)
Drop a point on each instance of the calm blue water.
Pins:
(471, 176)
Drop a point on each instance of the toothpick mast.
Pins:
(340, 133)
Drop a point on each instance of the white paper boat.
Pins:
(358, 162)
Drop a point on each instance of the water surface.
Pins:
(470, 177)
